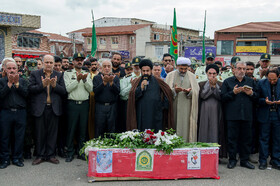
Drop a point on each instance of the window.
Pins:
(251, 43)
(156, 37)
(132, 38)
(159, 52)
(274, 47)
(28, 42)
(60, 48)
(115, 40)
(53, 49)
(105, 55)
(102, 41)
(88, 41)
(224, 47)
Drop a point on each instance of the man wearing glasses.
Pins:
(238, 95)
(166, 60)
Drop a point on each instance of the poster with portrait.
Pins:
(104, 162)
(194, 159)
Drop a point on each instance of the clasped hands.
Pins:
(49, 81)
(271, 102)
(237, 90)
(108, 79)
(13, 79)
(180, 89)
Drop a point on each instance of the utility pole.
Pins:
(74, 44)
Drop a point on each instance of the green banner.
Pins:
(174, 41)
(93, 38)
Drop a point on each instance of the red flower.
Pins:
(150, 132)
(153, 137)
(147, 139)
(162, 133)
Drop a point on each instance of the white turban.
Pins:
(183, 61)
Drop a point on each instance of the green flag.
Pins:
(93, 38)
(203, 41)
(174, 42)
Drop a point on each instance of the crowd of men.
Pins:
(53, 106)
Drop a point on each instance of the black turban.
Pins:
(212, 66)
(146, 62)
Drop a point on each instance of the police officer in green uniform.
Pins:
(200, 71)
(78, 85)
(228, 73)
(125, 86)
(30, 65)
(135, 63)
(264, 66)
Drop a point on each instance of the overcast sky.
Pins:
(62, 16)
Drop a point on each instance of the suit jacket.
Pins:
(265, 91)
(39, 93)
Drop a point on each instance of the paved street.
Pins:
(74, 173)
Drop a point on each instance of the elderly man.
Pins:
(13, 93)
(106, 88)
(238, 95)
(185, 91)
(268, 116)
(47, 88)
(150, 103)
(78, 85)
(211, 126)
(264, 66)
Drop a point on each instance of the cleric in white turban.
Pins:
(183, 61)
(185, 91)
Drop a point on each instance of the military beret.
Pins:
(128, 65)
(210, 55)
(78, 55)
(136, 60)
(146, 62)
(235, 59)
(265, 57)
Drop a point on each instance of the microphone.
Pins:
(146, 77)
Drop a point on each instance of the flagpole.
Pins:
(203, 41)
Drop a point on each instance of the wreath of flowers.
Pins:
(164, 141)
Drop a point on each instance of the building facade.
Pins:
(34, 43)
(131, 37)
(12, 23)
(249, 41)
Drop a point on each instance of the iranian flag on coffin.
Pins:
(149, 163)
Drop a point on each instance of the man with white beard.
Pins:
(185, 91)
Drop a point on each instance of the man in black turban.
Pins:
(211, 126)
(150, 102)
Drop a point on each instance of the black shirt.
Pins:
(238, 106)
(13, 98)
(121, 70)
(105, 94)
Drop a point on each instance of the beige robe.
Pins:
(185, 105)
